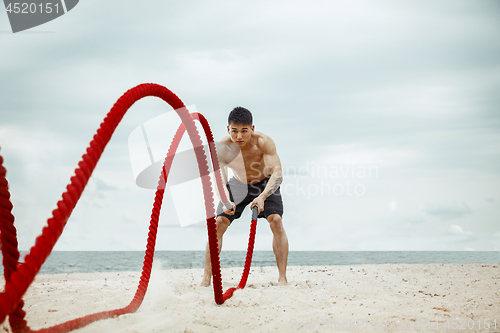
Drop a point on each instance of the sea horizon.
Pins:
(108, 261)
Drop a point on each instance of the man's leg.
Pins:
(222, 224)
(280, 246)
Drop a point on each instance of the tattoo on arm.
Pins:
(275, 186)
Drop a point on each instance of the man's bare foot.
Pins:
(205, 282)
(282, 281)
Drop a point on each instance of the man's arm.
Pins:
(272, 162)
(223, 171)
(223, 174)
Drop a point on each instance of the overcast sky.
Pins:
(386, 117)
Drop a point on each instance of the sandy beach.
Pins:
(343, 298)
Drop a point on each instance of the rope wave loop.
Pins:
(19, 276)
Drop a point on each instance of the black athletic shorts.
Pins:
(243, 194)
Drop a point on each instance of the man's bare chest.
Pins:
(248, 161)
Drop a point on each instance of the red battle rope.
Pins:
(19, 276)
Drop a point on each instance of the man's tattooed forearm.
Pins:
(275, 186)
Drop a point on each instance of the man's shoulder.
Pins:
(226, 139)
(264, 142)
(226, 150)
(224, 144)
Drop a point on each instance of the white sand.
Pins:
(317, 299)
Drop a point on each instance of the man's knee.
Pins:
(275, 222)
(274, 218)
(222, 223)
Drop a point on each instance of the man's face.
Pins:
(240, 134)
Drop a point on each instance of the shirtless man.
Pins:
(257, 177)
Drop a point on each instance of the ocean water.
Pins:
(110, 261)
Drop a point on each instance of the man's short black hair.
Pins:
(240, 116)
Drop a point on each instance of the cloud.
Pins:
(407, 87)
(414, 220)
(447, 211)
(102, 185)
(456, 229)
